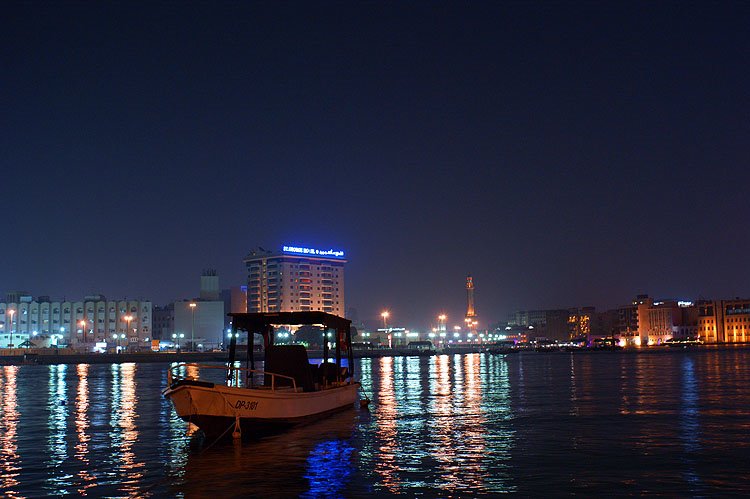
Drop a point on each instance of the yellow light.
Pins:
(193, 305)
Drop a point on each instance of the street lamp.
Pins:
(127, 318)
(12, 313)
(385, 316)
(442, 318)
(83, 329)
(176, 337)
(192, 327)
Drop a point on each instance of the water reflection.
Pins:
(386, 411)
(689, 424)
(82, 426)
(57, 422)
(9, 419)
(329, 467)
(672, 423)
(124, 432)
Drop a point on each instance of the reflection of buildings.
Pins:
(295, 279)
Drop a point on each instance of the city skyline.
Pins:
(561, 154)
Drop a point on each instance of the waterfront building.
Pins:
(581, 322)
(295, 279)
(724, 321)
(661, 320)
(200, 321)
(238, 299)
(88, 324)
(163, 322)
(553, 324)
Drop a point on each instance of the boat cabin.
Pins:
(290, 363)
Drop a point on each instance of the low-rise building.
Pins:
(88, 324)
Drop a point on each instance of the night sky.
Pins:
(564, 154)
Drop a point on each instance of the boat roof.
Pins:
(258, 321)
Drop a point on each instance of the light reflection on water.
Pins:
(9, 415)
(674, 423)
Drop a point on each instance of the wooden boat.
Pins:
(501, 347)
(288, 391)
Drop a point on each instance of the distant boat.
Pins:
(422, 348)
(683, 342)
(501, 347)
(291, 390)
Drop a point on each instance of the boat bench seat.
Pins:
(292, 361)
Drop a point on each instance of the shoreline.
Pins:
(37, 357)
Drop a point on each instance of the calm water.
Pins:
(672, 422)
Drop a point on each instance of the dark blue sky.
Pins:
(562, 153)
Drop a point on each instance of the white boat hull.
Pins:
(217, 409)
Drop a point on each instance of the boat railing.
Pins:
(181, 372)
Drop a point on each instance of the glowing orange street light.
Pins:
(83, 329)
(385, 316)
(442, 318)
(128, 318)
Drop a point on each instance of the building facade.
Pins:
(662, 320)
(724, 321)
(295, 279)
(199, 324)
(163, 322)
(83, 324)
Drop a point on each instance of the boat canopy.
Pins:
(263, 323)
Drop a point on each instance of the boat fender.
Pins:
(237, 433)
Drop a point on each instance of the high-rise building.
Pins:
(295, 279)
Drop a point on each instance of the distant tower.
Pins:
(209, 285)
(470, 312)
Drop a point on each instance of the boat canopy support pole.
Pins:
(249, 360)
(232, 350)
(339, 336)
(349, 352)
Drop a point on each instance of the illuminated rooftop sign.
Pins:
(298, 250)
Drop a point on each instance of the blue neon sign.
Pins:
(299, 250)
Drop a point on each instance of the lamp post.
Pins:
(12, 313)
(385, 316)
(442, 318)
(192, 327)
(83, 329)
(128, 318)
